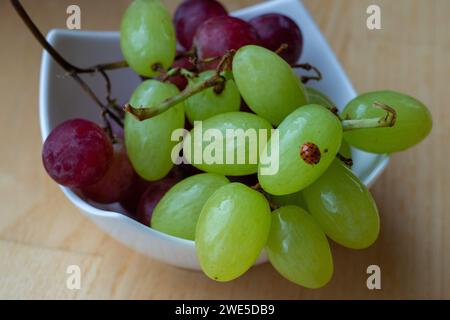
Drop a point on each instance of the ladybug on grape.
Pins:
(310, 153)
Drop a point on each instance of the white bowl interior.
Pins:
(62, 99)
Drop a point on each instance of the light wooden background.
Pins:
(41, 233)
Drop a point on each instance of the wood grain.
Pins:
(41, 233)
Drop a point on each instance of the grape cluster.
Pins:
(233, 211)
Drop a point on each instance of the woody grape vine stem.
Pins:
(72, 71)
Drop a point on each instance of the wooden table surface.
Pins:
(41, 233)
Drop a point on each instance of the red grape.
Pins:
(276, 29)
(191, 14)
(130, 201)
(220, 34)
(77, 153)
(115, 183)
(151, 198)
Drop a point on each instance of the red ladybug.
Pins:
(310, 153)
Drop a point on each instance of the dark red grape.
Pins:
(151, 198)
(276, 29)
(130, 201)
(115, 183)
(190, 14)
(220, 34)
(77, 153)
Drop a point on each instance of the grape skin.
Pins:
(414, 122)
(147, 37)
(113, 186)
(344, 208)
(220, 34)
(276, 29)
(130, 201)
(152, 196)
(317, 97)
(231, 232)
(345, 150)
(298, 249)
(178, 211)
(77, 153)
(190, 14)
(207, 104)
(267, 83)
(149, 142)
(308, 124)
(222, 122)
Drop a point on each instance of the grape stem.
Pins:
(105, 66)
(74, 71)
(173, 72)
(216, 81)
(345, 160)
(144, 113)
(273, 206)
(282, 48)
(189, 54)
(194, 60)
(304, 66)
(386, 121)
(308, 67)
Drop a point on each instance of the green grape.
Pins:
(230, 155)
(149, 142)
(344, 208)
(309, 140)
(345, 150)
(147, 37)
(293, 199)
(267, 83)
(178, 211)
(298, 249)
(207, 104)
(413, 124)
(231, 232)
(317, 97)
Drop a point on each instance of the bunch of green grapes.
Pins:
(313, 195)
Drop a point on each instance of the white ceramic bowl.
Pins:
(61, 99)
